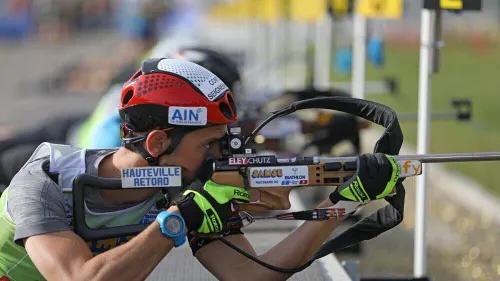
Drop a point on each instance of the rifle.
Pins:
(240, 166)
(271, 179)
(241, 170)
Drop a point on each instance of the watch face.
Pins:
(173, 225)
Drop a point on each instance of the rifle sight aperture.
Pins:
(233, 143)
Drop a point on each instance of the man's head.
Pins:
(191, 151)
(173, 112)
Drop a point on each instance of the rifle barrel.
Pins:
(430, 158)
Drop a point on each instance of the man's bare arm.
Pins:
(293, 251)
(65, 256)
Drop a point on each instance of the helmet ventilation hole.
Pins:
(224, 108)
(127, 97)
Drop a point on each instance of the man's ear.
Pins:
(157, 142)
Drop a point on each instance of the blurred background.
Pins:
(59, 59)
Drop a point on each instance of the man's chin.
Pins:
(187, 175)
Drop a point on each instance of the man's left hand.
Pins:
(375, 178)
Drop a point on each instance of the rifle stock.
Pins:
(276, 196)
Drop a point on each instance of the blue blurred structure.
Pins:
(130, 20)
(16, 21)
(375, 51)
(107, 134)
(343, 60)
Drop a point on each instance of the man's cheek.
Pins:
(193, 164)
(187, 174)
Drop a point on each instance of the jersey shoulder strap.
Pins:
(65, 160)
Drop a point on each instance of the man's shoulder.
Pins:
(33, 171)
(33, 181)
(33, 187)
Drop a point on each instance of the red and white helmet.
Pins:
(175, 95)
(171, 93)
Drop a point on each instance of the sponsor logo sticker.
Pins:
(410, 168)
(213, 87)
(187, 116)
(249, 160)
(279, 176)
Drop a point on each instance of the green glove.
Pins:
(375, 177)
(206, 207)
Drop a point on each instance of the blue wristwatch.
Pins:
(173, 226)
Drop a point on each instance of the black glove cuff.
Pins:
(335, 196)
(190, 211)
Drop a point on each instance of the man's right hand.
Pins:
(205, 207)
